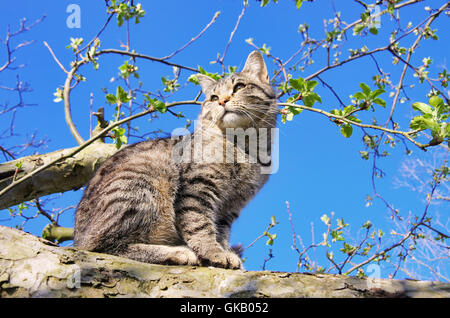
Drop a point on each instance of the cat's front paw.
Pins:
(223, 259)
(183, 256)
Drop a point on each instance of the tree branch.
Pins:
(67, 175)
(69, 272)
(216, 15)
(145, 57)
(406, 134)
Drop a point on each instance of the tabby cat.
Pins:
(145, 205)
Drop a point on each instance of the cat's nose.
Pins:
(224, 100)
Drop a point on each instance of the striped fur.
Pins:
(143, 204)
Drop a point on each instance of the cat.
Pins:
(145, 205)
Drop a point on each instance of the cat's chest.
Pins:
(245, 181)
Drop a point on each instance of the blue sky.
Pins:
(320, 171)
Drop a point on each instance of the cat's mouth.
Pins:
(231, 110)
(233, 118)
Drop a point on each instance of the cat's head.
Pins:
(241, 100)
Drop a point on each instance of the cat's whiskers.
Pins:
(252, 115)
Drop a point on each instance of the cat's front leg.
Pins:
(225, 259)
(198, 231)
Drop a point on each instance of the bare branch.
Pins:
(55, 58)
(214, 18)
(8, 200)
(407, 134)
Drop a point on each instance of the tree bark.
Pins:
(33, 267)
(68, 174)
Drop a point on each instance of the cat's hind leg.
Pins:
(161, 254)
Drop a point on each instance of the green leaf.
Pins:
(358, 28)
(75, 43)
(212, 75)
(273, 222)
(170, 85)
(336, 112)
(119, 136)
(380, 102)
(289, 112)
(298, 84)
(157, 104)
(367, 225)
(336, 236)
(271, 238)
(295, 110)
(365, 16)
(359, 96)
(443, 111)
(193, 79)
(19, 164)
(119, 20)
(127, 69)
(310, 98)
(348, 249)
(353, 118)
(341, 223)
(435, 101)
(346, 130)
(376, 93)
(391, 7)
(325, 219)
(422, 107)
(348, 109)
(299, 4)
(373, 30)
(364, 154)
(121, 95)
(311, 84)
(366, 89)
(112, 99)
(58, 95)
(421, 122)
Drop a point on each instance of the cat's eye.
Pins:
(214, 98)
(238, 86)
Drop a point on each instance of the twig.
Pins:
(98, 34)
(43, 212)
(408, 59)
(329, 67)
(10, 35)
(269, 257)
(55, 58)
(405, 237)
(294, 236)
(232, 35)
(406, 134)
(145, 57)
(397, 6)
(66, 98)
(216, 15)
(85, 60)
(87, 143)
(332, 90)
(91, 102)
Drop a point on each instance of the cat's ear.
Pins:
(256, 67)
(206, 82)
